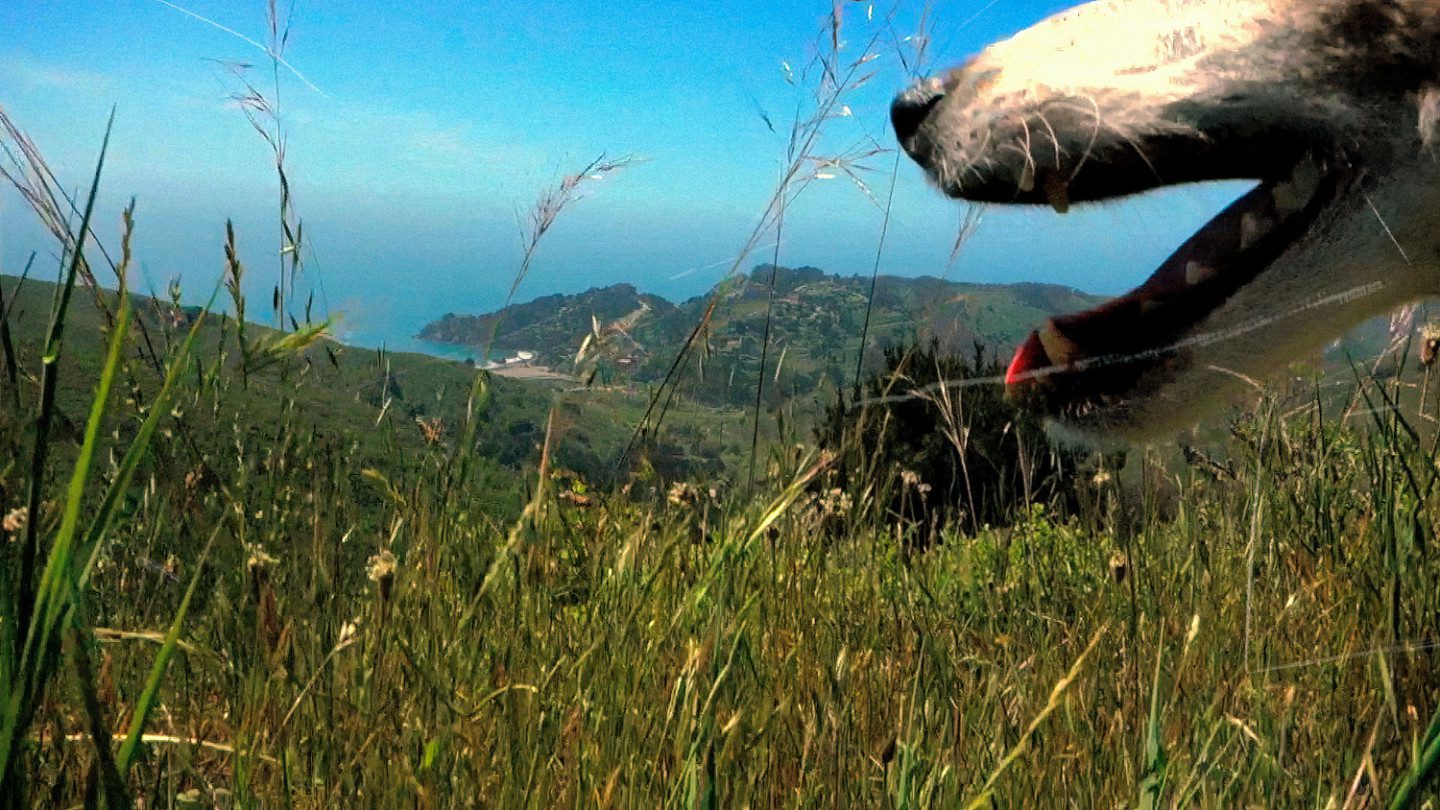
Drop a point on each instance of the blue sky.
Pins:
(431, 123)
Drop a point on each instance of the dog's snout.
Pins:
(910, 109)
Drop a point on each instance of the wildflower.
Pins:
(835, 502)
(14, 521)
(381, 570)
(259, 560)
(1119, 566)
(683, 494)
(1429, 343)
(432, 429)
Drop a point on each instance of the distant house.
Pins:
(524, 357)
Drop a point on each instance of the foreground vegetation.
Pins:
(1254, 627)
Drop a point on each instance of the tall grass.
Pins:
(624, 651)
(826, 82)
(263, 110)
(1253, 624)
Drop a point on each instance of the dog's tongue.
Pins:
(1181, 292)
(1051, 348)
(1030, 359)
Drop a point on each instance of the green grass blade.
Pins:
(986, 798)
(7, 342)
(29, 552)
(1426, 768)
(58, 577)
(146, 702)
(59, 612)
(110, 781)
(1152, 783)
(70, 606)
(58, 592)
(24, 684)
(105, 515)
(62, 600)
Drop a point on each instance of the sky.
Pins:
(418, 134)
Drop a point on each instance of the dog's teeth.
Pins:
(1297, 191)
(1252, 229)
(1197, 273)
(1057, 192)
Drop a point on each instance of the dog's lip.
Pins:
(1061, 162)
(1104, 353)
(1030, 360)
(1089, 365)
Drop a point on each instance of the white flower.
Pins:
(14, 521)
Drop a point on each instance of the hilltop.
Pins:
(816, 323)
(551, 322)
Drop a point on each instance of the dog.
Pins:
(1331, 106)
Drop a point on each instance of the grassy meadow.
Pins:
(249, 567)
(232, 607)
(264, 624)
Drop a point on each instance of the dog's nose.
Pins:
(910, 108)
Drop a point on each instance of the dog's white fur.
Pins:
(1352, 81)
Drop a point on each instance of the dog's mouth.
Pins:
(1103, 356)
(1091, 367)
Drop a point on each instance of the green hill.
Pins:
(815, 327)
(549, 324)
(366, 404)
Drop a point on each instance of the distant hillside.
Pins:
(367, 404)
(549, 325)
(814, 331)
